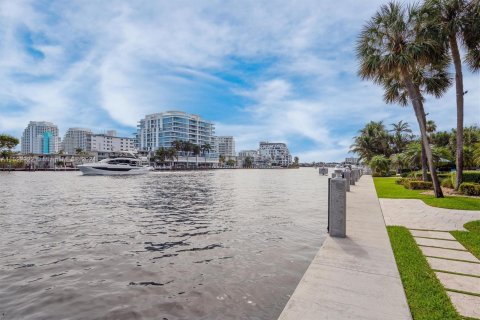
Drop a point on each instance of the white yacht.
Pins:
(115, 166)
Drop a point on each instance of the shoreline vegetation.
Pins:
(408, 50)
(388, 188)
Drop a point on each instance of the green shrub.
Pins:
(383, 175)
(418, 185)
(447, 183)
(405, 174)
(468, 176)
(380, 166)
(11, 163)
(417, 175)
(470, 189)
(400, 181)
(443, 176)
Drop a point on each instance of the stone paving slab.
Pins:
(466, 305)
(344, 295)
(432, 234)
(449, 254)
(439, 243)
(458, 282)
(355, 277)
(415, 214)
(455, 266)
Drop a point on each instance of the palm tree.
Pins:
(206, 148)
(172, 154)
(397, 51)
(413, 154)
(476, 155)
(187, 147)
(177, 144)
(160, 155)
(380, 165)
(459, 19)
(399, 161)
(373, 140)
(401, 135)
(248, 162)
(431, 128)
(196, 151)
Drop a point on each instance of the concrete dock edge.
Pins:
(354, 277)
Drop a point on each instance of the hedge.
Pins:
(470, 189)
(418, 185)
(468, 176)
(418, 175)
(443, 175)
(447, 183)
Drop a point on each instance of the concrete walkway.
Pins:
(457, 269)
(355, 277)
(415, 214)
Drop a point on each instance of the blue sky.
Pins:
(261, 70)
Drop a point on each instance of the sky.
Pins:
(276, 70)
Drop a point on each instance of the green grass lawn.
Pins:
(426, 296)
(387, 188)
(470, 239)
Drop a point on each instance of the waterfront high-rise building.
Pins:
(109, 142)
(225, 146)
(277, 153)
(40, 137)
(161, 129)
(74, 139)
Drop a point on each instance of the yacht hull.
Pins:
(91, 170)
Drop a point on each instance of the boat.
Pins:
(115, 166)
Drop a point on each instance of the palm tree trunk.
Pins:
(424, 163)
(420, 114)
(457, 62)
(423, 155)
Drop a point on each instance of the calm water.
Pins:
(225, 244)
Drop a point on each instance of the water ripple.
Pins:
(170, 245)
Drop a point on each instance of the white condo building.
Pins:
(109, 142)
(40, 137)
(277, 153)
(225, 146)
(75, 138)
(161, 129)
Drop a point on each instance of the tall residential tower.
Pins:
(75, 138)
(161, 129)
(40, 137)
(225, 145)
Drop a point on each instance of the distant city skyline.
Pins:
(261, 71)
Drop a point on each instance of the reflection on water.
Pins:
(225, 244)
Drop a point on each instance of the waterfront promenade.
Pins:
(354, 277)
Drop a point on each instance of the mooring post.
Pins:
(337, 208)
(346, 176)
